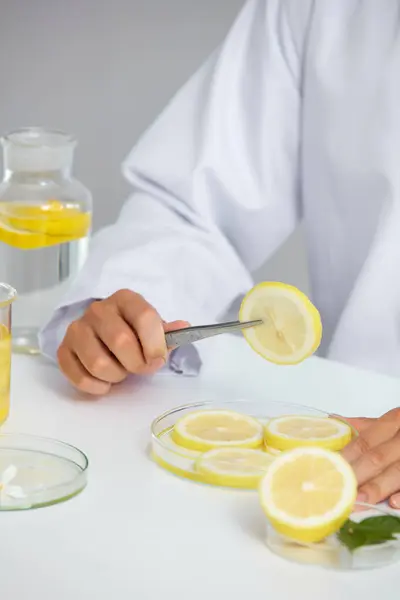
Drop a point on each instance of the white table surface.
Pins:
(139, 533)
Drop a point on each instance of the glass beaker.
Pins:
(45, 222)
(7, 297)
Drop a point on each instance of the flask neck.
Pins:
(42, 178)
(36, 155)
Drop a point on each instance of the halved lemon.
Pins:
(207, 429)
(233, 467)
(291, 329)
(292, 431)
(308, 493)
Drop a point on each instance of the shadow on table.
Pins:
(58, 384)
(250, 517)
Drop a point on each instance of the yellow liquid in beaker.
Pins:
(5, 367)
(29, 227)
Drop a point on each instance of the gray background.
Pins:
(103, 69)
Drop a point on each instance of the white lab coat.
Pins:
(296, 116)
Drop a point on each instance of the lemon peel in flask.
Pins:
(45, 223)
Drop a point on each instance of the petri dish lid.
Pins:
(37, 471)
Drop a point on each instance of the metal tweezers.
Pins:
(189, 335)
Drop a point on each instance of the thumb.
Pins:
(175, 325)
(359, 423)
(395, 501)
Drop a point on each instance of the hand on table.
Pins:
(375, 458)
(117, 336)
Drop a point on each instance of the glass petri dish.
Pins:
(37, 471)
(331, 553)
(180, 461)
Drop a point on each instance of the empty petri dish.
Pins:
(37, 471)
(332, 554)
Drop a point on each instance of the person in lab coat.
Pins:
(294, 118)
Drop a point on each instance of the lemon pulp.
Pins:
(291, 329)
(308, 493)
(233, 467)
(285, 433)
(209, 429)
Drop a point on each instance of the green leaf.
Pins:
(350, 537)
(382, 523)
(369, 532)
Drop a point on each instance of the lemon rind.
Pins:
(311, 529)
(244, 480)
(185, 440)
(283, 442)
(310, 312)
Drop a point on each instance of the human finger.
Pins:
(381, 487)
(94, 355)
(377, 460)
(358, 423)
(118, 336)
(75, 372)
(148, 326)
(394, 501)
(380, 431)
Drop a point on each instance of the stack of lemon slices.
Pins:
(229, 445)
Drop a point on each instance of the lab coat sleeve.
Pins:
(214, 181)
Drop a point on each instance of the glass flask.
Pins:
(7, 297)
(45, 222)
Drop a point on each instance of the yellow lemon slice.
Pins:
(233, 467)
(169, 443)
(308, 493)
(28, 226)
(285, 433)
(292, 327)
(207, 429)
(272, 451)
